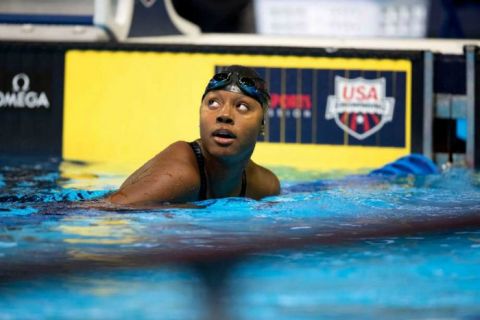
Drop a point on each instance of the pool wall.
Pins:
(340, 109)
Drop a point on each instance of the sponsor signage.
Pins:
(31, 102)
(325, 112)
(359, 106)
(148, 3)
(336, 107)
(22, 95)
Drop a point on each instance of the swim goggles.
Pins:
(253, 87)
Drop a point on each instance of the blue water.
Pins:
(237, 258)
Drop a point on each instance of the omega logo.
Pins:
(22, 96)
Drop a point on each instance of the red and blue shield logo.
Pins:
(360, 106)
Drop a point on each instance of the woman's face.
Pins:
(230, 123)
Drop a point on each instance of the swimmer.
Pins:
(218, 164)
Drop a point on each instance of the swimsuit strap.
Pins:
(202, 194)
(244, 184)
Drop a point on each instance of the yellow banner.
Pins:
(124, 107)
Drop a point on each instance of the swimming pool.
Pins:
(354, 247)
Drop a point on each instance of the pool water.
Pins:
(355, 247)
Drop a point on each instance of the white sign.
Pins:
(342, 18)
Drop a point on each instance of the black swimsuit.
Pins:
(202, 194)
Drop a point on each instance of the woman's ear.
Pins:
(262, 128)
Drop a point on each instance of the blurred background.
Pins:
(340, 18)
(437, 33)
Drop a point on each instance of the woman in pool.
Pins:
(218, 164)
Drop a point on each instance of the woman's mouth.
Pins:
(223, 137)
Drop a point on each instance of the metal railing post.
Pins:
(470, 52)
(428, 104)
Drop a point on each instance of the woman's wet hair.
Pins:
(242, 71)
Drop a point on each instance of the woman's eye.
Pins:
(243, 107)
(213, 103)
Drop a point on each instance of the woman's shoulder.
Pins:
(177, 154)
(178, 157)
(261, 182)
(171, 175)
(177, 149)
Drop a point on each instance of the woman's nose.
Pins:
(225, 115)
(225, 118)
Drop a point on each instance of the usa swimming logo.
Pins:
(360, 106)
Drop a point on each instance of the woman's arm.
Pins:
(171, 176)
